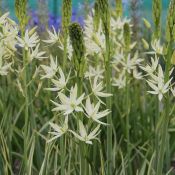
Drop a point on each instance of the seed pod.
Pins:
(170, 26)
(119, 8)
(127, 36)
(77, 40)
(96, 21)
(66, 15)
(157, 8)
(105, 15)
(20, 10)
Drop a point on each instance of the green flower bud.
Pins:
(66, 15)
(157, 8)
(145, 43)
(77, 40)
(105, 15)
(127, 36)
(173, 58)
(96, 15)
(20, 10)
(146, 23)
(119, 9)
(170, 22)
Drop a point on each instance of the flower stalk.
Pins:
(166, 115)
(105, 17)
(77, 40)
(20, 9)
(127, 42)
(21, 13)
(157, 8)
(119, 8)
(96, 20)
(66, 19)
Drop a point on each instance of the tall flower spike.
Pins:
(66, 15)
(127, 36)
(157, 8)
(96, 16)
(170, 26)
(77, 40)
(20, 10)
(119, 8)
(105, 15)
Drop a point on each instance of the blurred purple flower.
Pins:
(53, 20)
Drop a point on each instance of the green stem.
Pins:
(65, 52)
(26, 110)
(166, 117)
(82, 145)
(63, 154)
(128, 119)
(108, 104)
(38, 152)
(62, 145)
(156, 144)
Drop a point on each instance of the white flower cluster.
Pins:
(70, 106)
(155, 78)
(8, 33)
(89, 104)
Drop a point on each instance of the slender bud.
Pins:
(127, 36)
(96, 15)
(170, 26)
(66, 15)
(146, 23)
(21, 13)
(157, 8)
(119, 8)
(173, 58)
(105, 15)
(77, 40)
(145, 44)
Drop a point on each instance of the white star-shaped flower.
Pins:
(58, 131)
(53, 37)
(152, 67)
(35, 53)
(159, 87)
(30, 40)
(84, 136)
(69, 104)
(51, 70)
(92, 111)
(92, 72)
(97, 88)
(60, 83)
(120, 82)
